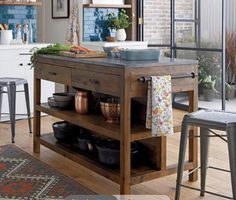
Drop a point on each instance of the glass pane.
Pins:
(185, 34)
(210, 81)
(211, 23)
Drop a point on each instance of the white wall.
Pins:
(52, 30)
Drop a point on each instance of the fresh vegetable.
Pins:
(51, 49)
(80, 49)
(56, 49)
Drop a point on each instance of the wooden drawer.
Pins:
(139, 89)
(97, 82)
(53, 73)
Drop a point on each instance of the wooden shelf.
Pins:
(106, 6)
(96, 123)
(12, 3)
(49, 141)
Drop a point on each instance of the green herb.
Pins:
(51, 49)
(119, 22)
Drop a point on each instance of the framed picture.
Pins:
(60, 9)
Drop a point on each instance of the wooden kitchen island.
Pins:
(126, 80)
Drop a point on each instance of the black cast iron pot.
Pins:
(65, 131)
(109, 152)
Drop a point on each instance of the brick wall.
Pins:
(157, 21)
(13, 15)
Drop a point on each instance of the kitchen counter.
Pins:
(119, 63)
(23, 46)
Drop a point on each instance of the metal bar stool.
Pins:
(206, 120)
(11, 84)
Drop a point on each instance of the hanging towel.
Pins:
(72, 36)
(159, 106)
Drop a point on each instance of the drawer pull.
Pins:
(29, 64)
(21, 64)
(52, 73)
(94, 81)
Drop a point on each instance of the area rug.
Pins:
(24, 177)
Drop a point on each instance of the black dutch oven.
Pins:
(109, 152)
(87, 142)
(65, 131)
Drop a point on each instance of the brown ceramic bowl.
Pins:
(110, 108)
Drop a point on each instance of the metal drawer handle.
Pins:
(21, 64)
(94, 81)
(52, 73)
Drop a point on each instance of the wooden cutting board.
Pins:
(85, 55)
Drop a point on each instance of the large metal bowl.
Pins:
(110, 108)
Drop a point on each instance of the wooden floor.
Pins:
(216, 181)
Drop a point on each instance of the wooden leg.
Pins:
(125, 144)
(37, 115)
(193, 141)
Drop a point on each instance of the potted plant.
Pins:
(208, 87)
(120, 23)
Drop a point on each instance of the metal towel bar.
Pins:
(144, 79)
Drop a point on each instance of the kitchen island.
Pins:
(126, 80)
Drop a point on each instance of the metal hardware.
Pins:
(25, 54)
(21, 64)
(144, 79)
(93, 81)
(140, 20)
(29, 64)
(52, 73)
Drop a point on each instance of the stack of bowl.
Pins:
(61, 100)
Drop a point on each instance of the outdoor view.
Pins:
(206, 34)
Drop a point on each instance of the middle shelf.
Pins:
(97, 123)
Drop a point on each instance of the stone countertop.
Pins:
(119, 63)
(22, 46)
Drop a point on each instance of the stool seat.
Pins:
(212, 119)
(4, 82)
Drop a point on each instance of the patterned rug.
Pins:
(24, 177)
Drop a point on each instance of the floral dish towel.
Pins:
(159, 106)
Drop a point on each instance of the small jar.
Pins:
(81, 102)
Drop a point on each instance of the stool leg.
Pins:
(11, 91)
(182, 150)
(231, 136)
(26, 88)
(1, 89)
(204, 133)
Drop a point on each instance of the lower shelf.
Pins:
(139, 174)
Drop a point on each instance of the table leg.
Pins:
(125, 143)
(37, 115)
(193, 141)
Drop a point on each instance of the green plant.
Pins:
(51, 49)
(208, 83)
(209, 71)
(119, 22)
